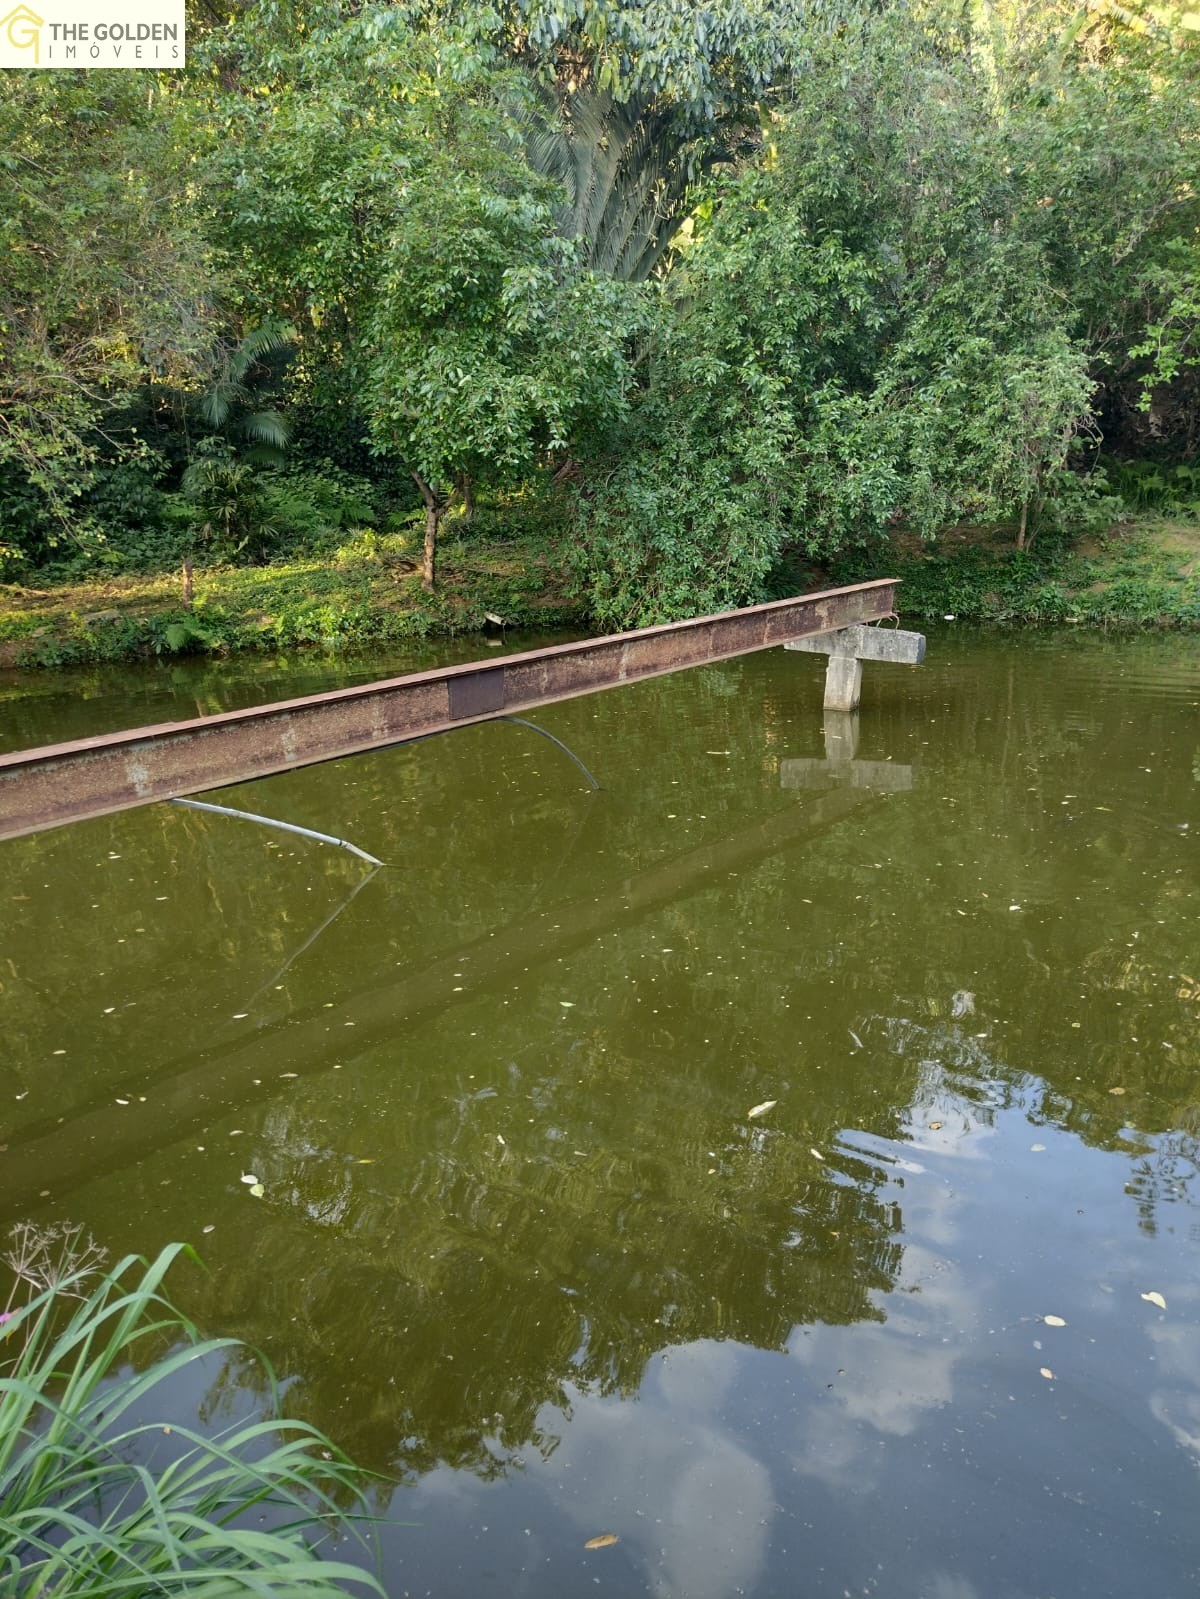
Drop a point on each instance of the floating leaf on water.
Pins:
(240, 1016)
(935, 1127)
(567, 1004)
(1038, 1149)
(119, 1102)
(1116, 1090)
(603, 1541)
(761, 1110)
(1054, 1321)
(1047, 1373)
(1155, 1299)
(210, 1227)
(249, 1177)
(816, 1154)
(258, 1190)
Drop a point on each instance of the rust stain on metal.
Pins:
(62, 783)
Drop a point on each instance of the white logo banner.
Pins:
(92, 33)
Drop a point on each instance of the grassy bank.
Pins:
(369, 594)
(1139, 574)
(1144, 573)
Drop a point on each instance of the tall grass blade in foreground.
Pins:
(94, 1504)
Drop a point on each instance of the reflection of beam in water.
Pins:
(841, 767)
(105, 1138)
(337, 910)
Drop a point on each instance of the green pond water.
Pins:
(522, 1246)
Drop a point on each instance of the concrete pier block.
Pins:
(843, 683)
(866, 643)
(848, 647)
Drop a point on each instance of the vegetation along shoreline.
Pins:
(600, 315)
(1140, 574)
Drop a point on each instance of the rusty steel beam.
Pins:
(62, 783)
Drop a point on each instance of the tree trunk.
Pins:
(187, 581)
(435, 504)
(468, 496)
(433, 515)
(1024, 524)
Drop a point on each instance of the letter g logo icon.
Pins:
(21, 38)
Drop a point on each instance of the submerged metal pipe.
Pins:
(272, 821)
(521, 722)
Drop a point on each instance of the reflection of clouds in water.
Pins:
(944, 1586)
(1176, 1402)
(678, 1455)
(697, 1376)
(886, 1378)
(1179, 1411)
(671, 1451)
(1114, 1304)
(716, 1540)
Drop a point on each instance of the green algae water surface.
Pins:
(780, 1165)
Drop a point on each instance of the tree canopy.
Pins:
(735, 283)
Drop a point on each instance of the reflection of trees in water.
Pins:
(428, 1307)
(1154, 1117)
(1165, 1172)
(438, 1304)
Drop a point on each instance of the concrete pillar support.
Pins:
(843, 683)
(848, 647)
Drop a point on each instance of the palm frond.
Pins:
(624, 172)
(270, 338)
(271, 428)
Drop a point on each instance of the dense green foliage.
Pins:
(872, 324)
(94, 1500)
(716, 288)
